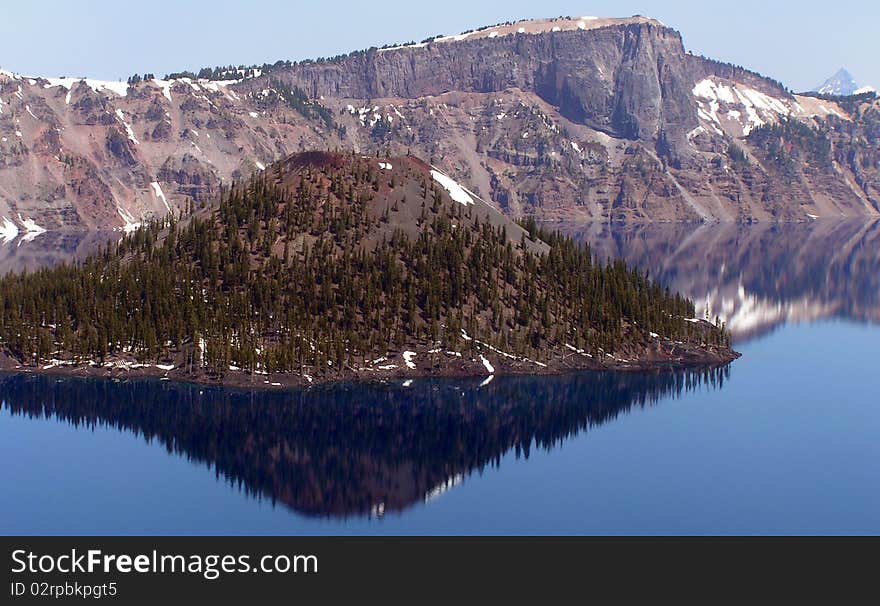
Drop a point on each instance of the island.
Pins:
(332, 265)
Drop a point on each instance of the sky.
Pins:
(799, 44)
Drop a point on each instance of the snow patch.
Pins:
(408, 357)
(165, 85)
(723, 104)
(693, 133)
(8, 231)
(32, 230)
(157, 189)
(99, 86)
(487, 364)
(456, 191)
(130, 224)
(128, 129)
(30, 225)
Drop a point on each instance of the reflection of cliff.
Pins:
(351, 449)
(50, 248)
(757, 276)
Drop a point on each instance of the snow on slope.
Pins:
(8, 231)
(529, 26)
(130, 224)
(32, 230)
(841, 83)
(153, 115)
(727, 107)
(157, 189)
(456, 191)
(99, 86)
(120, 115)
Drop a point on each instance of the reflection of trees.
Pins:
(812, 269)
(344, 449)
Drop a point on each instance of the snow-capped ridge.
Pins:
(99, 86)
(527, 26)
(733, 108)
(840, 84)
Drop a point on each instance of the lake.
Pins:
(783, 440)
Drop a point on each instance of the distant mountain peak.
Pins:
(841, 83)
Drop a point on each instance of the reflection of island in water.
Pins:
(758, 276)
(348, 449)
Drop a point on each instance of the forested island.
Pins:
(329, 266)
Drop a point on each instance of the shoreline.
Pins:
(449, 366)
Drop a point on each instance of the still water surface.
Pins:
(784, 440)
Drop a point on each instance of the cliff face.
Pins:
(564, 118)
(627, 80)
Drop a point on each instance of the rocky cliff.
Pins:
(577, 118)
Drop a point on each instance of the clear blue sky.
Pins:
(798, 43)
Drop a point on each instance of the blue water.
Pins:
(784, 440)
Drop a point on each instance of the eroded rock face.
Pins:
(627, 80)
(191, 177)
(80, 154)
(602, 119)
